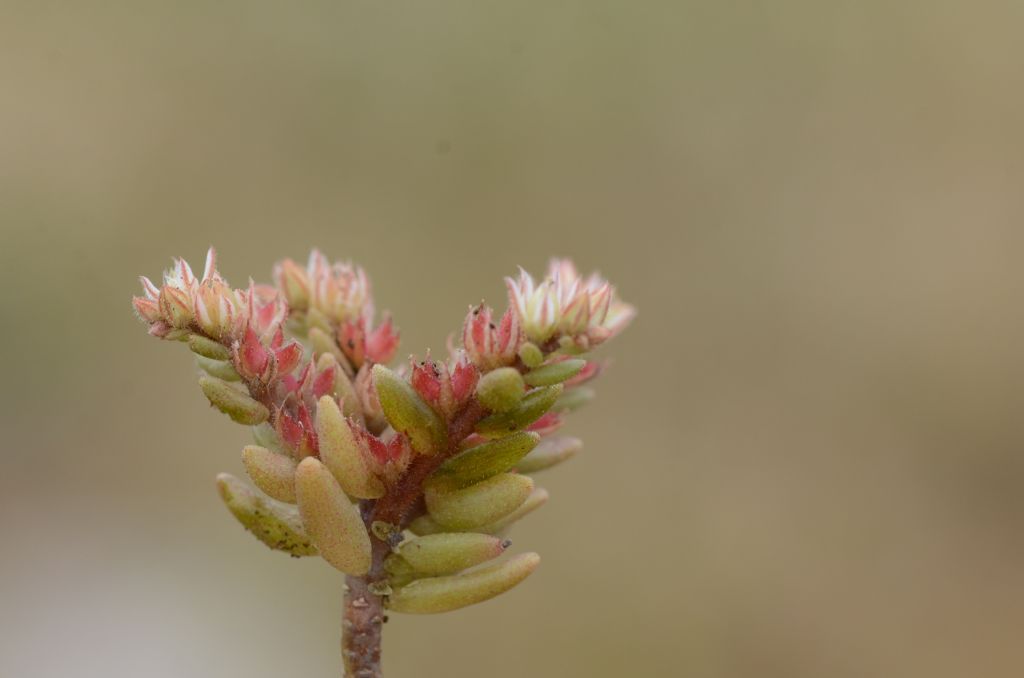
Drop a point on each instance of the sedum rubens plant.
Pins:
(406, 480)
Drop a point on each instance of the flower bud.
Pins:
(340, 452)
(271, 472)
(533, 406)
(208, 348)
(501, 390)
(451, 552)
(233, 402)
(550, 452)
(441, 594)
(483, 461)
(176, 306)
(489, 345)
(323, 344)
(331, 519)
(148, 310)
(479, 504)
(276, 525)
(555, 373)
(293, 282)
(344, 391)
(221, 369)
(407, 412)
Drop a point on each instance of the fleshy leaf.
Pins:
(233, 402)
(501, 390)
(340, 452)
(533, 406)
(479, 504)
(275, 524)
(408, 413)
(555, 373)
(442, 594)
(486, 460)
(450, 552)
(331, 519)
(550, 452)
(208, 348)
(271, 472)
(221, 369)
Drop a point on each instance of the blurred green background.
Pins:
(806, 459)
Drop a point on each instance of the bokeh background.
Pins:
(807, 457)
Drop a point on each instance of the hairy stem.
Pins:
(364, 610)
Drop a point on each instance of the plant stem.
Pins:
(363, 620)
(362, 626)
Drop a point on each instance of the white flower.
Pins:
(538, 306)
(577, 310)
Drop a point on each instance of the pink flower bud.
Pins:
(382, 342)
(251, 356)
(580, 313)
(352, 339)
(148, 310)
(218, 310)
(288, 357)
(176, 307)
(487, 345)
(294, 284)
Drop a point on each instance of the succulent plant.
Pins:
(406, 480)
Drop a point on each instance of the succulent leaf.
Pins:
(479, 504)
(233, 402)
(408, 413)
(532, 407)
(555, 373)
(340, 452)
(271, 472)
(275, 524)
(550, 452)
(450, 552)
(331, 519)
(442, 594)
(486, 460)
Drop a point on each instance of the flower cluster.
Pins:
(336, 299)
(407, 481)
(568, 308)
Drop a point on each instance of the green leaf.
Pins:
(450, 552)
(331, 519)
(340, 452)
(501, 390)
(221, 369)
(208, 348)
(271, 472)
(275, 524)
(407, 412)
(478, 504)
(486, 460)
(442, 594)
(532, 407)
(555, 373)
(233, 402)
(550, 452)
